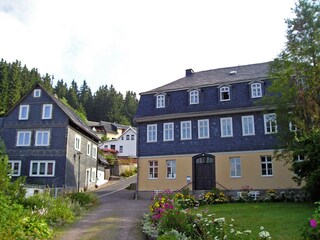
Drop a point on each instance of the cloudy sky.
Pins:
(139, 45)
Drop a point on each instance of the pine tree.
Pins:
(14, 83)
(130, 106)
(4, 86)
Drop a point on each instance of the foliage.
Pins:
(295, 92)
(185, 199)
(105, 104)
(85, 199)
(129, 172)
(55, 211)
(213, 197)
(311, 229)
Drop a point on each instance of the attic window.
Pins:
(233, 73)
(37, 93)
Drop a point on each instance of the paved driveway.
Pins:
(117, 217)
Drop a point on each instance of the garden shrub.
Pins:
(213, 197)
(185, 199)
(311, 230)
(85, 199)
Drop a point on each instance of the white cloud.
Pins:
(139, 45)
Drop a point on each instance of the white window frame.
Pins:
(203, 128)
(270, 127)
(93, 174)
(12, 165)
(226, 127)
(161, 101)
(127, 137)
(185, 130)
(44, 112)
(171, 169)
(153, 172)
(152, 133)
(94, 151)
(39, 163)
(132, 137)
(22, 134)
(39, 137)
(168, 131)
(88, 148)
(194, 97)
(266, 162)
(223, 90)
(23, 116)
(120, 149)
(235, 167)
(248, 128)
(77, 142)
(256, 90)
(37, 93)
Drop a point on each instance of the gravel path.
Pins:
(118, 217)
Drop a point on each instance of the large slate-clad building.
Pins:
(209, 129)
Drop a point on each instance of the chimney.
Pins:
(189, 72)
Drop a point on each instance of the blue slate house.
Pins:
(48, 143)
(208, 130)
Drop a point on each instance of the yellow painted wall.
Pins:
(250, 172)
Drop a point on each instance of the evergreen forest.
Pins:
(106, 104)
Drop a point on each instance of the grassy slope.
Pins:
(282, 220)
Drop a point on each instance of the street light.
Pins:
(79, 154)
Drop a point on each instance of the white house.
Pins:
(125, 145)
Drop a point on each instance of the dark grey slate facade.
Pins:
(43, 147)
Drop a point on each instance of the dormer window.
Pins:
(24, 112)
(225, 93)
(194, 97)
(256, 90)
(161, 101)
(37, 93)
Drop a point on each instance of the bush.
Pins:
(311, 230)
(85, 199)
(55, 211)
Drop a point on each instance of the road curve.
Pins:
(117, 217)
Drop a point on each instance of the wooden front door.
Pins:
(204, 172)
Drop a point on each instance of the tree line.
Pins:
(106, 104)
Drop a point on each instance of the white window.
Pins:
(93, 175)
(203, 128)
(299, 158)
(161, 101)
(224, 93)
(77, 143)
(15, 167)
(89, 148)
(266, 166)
(121, 149)
(153, 169)
(226, 127)
(94, 151)
(171, 169)
(42, 138)
(47, 111)
(256, 90)
(24, 112)
(42, 168)
(270, 123)
(127, 137)
(24, 138)
(185, 130)
(168, 132)
(235, 167)
(247, 125)
(37, 93)
(152, 133)
(194, 97)
(132, 137)
(293, 127)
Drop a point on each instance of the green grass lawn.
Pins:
(282, 220)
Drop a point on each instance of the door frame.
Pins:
(194, 177)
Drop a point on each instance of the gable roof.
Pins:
(73, 117)
(219, 76)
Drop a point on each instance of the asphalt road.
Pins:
(117, 217)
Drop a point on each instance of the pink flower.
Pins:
(313, 223)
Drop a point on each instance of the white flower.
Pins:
(220, 220)
(264, 235)
(232, 230)
(261, 228)
(247, 231)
